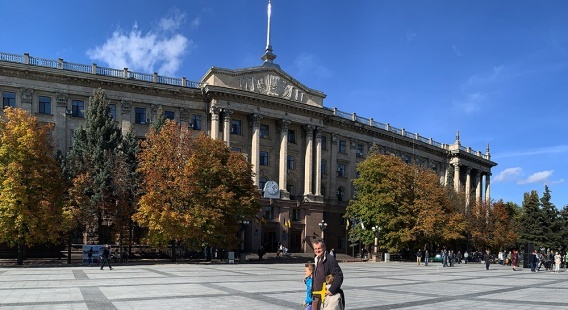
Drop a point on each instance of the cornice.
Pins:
(80, 79)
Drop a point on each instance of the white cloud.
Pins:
(470, 104)
(410, 35)
(509, 174)
(309, 64)
(160, 50)
(456, 50)
(538, 177)
(195, 23)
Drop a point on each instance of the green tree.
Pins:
(31, 187)
(195, 189)
(91, 163)
(552, 221)
(407, 202)
(532, 221)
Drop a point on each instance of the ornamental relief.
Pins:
(272, 85)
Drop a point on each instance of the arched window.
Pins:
(262, 182)
(340, 194)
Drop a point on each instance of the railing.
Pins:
(94, 69)
(402, 132)
(77, 67)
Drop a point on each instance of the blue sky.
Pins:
(497, 71)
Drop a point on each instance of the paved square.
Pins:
(279, 286)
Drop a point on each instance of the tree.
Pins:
(532, 221)
(406, 201)
(552, 221)
(31, 187)
(195, 190)
(91, 163)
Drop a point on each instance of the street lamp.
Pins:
(323, 226)
(376, 231)
(244, 224)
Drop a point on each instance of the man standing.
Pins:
(106, 257)
(90, 255)
(418, 257)
(426, 258)
(325, 265)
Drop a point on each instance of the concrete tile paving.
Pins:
(367, 285)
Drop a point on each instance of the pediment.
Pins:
(265, 80)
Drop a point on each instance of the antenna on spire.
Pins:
(268, 56)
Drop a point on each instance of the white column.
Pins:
(308, 163)
(283, 171)
(467, 186)
(318, 162)
(478, 187)
(487, 187)
(214, 122)
(255, 151)
(457, 177)
(227, 126)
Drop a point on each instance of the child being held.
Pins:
(308, 281)
(331, 302)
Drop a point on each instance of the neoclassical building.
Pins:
(304, 154)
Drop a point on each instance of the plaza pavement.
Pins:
(367, 285)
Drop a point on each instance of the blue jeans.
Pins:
(426, 261)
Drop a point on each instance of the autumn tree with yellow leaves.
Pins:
(31, 187)
(195, 190)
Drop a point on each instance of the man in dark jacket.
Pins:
(325, 265)
(106, 257)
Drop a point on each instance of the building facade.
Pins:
(307, 152)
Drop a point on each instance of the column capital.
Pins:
(284, 125)
(319, 132)
(227, 114)
(255, 119)
(215, 110)
(309, 130)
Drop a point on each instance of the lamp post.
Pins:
(376, 231)
(244, 224)
(323, 226)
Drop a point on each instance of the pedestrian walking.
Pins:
(532, 261)
(515, 259)
(487, 259)
(106, 257)
(418, 257)
(426, 258)
(465, 256)
(90, 256)
(557, 262)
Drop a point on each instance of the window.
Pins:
(8, 99)
(264, 131)
(323, 167)
(323, 142)
(340, 170)
(236, 149)
(296, 215)
(44, 105)
(169, 115)
(268, 213)
(196, 122)
(263, 158)
(342, 146)
(291, 136)
(290, 162)
(342, 219)
(359, 150)
(340, 194)
(140, 116)
(262, 182)
(77, 108)
(290, 189)
(112, 110)
(236, 126)
(341, 242)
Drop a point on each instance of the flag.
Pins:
(289, 223)
(362, 226)
(347, 224)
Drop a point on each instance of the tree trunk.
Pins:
(69, 245)
(173, 251)
(20, 259)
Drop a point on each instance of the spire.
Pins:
(268, 57)
(458, 136)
